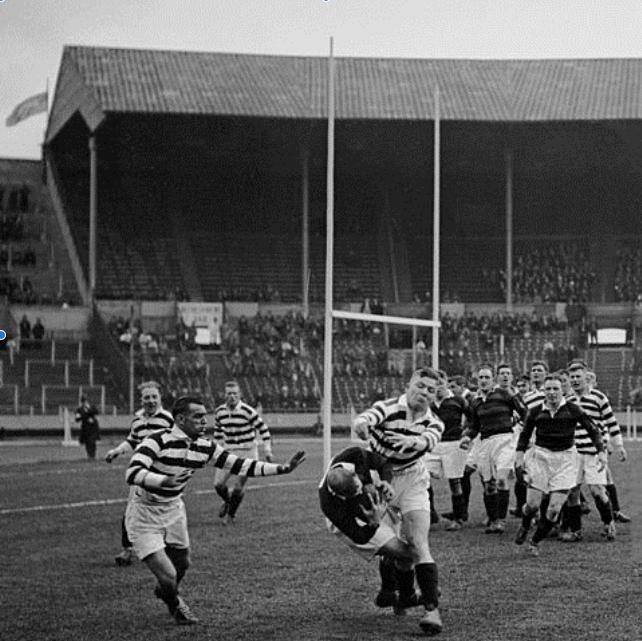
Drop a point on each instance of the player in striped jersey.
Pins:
(237, 426)
(159, 471)
(403, 430)
(150, 418)
(447, 459)
(598, 408)
(535, 397)
(551, 463)
(492, 417)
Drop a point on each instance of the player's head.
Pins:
(566, 381)
(485, 377)
(442, 385)
(190, 415)
(422, 388)
(150, 397)
(504, 376)
(457, 384)
(232, 393)
(577, 373)
(553, 389)
(539, 369)
(523, 384)
(344, 481)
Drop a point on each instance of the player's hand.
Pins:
(294, 462)
(621, 453)
(360, 427)
(609, 447)
(111, 455)
(601, 461)
(406, 443)
(464, 443)
(373, 511)
(176, 479)
(386, 490)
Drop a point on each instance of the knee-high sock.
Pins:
(223, 492)
(459, 507)
(180, 560)
(612, 492)
(527, 516)
(574, 517)
(169, 594)
(235, 500)
(491, 505)
(465, 491)
(543, 507)
(543, 528)
(520, 494)
(433, 511)
(605, 509)
(406, 582)
(503, 499)
(124, 538)
(564, 517)
(428, 581)
(388, 574)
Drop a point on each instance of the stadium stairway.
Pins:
(609, 368)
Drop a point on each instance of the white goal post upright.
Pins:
(330, 313)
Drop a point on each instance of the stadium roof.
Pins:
(97, 81)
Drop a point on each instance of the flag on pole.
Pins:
(27, 108)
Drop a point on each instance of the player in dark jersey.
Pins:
(353, 495)
(551, 464)
(447, 459)
(492, 413)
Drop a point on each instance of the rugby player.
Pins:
(402, 430)
(491, 411)
(551, 464)
(237, 427)
(155, 517)
(150, 418)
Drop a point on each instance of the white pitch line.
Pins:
(79, 504)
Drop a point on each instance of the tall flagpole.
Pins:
(329, 255)
(435, 235)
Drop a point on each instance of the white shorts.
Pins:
(411, 488)
(495, 453)
(472, 453)
(447, 460)
(388, 529)
(587, 470)
(152, 526)
(551, 471)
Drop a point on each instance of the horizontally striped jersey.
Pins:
(451, 410)
(395, 415)
(534, 398)
(596, 405)
(240, 426)
(557, 431)
(143, 425)
(493, 414)
(169, 452)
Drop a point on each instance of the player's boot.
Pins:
(124, 558)
(521, 535)
(386, 599)
(222, 513)
(570, 536)
(183, 615)
(533, 549)
(454, 526)
(609, 531)
(621, 517)
(431, 623)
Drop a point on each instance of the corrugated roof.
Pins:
(130, 80)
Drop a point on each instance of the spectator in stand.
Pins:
(25, 329)
(38, 332)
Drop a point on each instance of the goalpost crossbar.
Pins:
(381, 318)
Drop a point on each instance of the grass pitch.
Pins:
(276, 574)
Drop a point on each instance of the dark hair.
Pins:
(553, 377)
(427, 372)
(542, 363)
(232, 384)
(576, 364)
(561, 372)
(504, 366)
(524, 377)
(181, 405)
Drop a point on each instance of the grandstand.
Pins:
(201, 162)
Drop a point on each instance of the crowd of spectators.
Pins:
(628, 274)
(264, 294)
(559, 272)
